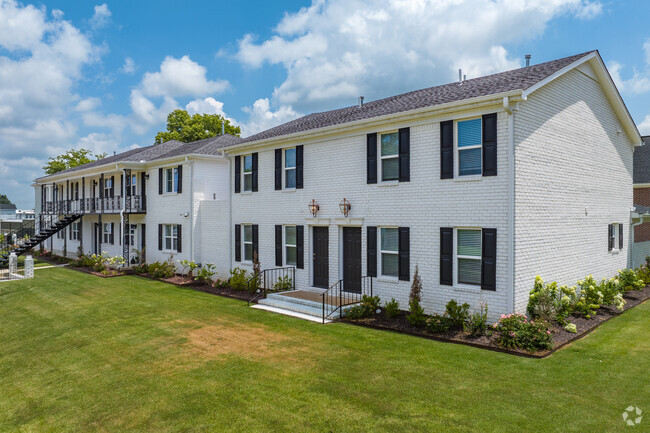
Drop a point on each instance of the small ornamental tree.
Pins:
(257, 270)
(416, 315)
(416, 287)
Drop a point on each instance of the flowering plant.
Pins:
(517, 332)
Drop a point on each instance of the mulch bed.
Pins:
(561, 337)
(182, 281)
(91, 271)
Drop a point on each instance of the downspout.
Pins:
(123, 199)
(230, 226)
(510, 298)
(192, 219)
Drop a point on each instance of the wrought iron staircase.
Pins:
(48, 227)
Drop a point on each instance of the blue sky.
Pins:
(104, 75)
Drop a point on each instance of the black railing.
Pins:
(338, 296)
(271, 281)
(112, 205)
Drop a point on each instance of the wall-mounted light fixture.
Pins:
(313, 207)
(146, 176)
(345, 207)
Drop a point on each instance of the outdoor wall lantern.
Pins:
(345, 207)
(313, 207)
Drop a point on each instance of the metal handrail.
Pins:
(271, 281)
(336, 297)
(94, 205)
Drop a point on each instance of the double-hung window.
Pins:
(134, 184)
(170, 237)
(290, 245)
(75, 230)
(248, 242)
(171, 179)
(133, 231)
(108, 184)
(470, 147)
(107, 233)
(468, 255)
(390, 156)
(290, 168)
(389, 251)
(247, 161)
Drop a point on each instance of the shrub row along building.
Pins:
(482, 184)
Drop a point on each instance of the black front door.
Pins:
(321, 257)
(352, 259)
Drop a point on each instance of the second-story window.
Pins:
(248, 172)
(171, 179)
(108, 184)
(134, 184)
(390, 156)
(290, 168)
(469, 147)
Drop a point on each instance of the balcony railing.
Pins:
(96, 205)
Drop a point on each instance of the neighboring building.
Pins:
(483, 184)
(641, 247)
(7, 210)
(15, 223)
(169, 200)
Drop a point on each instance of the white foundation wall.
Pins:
(573, 178)
(335, 169)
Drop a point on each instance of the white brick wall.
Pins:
(573, 178)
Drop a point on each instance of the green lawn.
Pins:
(80, 353)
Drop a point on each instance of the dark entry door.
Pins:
(321, 257)
(352, 259)
(96, 235)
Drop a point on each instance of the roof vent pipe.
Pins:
(460, 76)
(360, 101)
(527, 57)
(223, 128)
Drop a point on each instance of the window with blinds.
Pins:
(469, 147)
(468, 255)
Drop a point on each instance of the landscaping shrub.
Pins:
(367, 307)
(189, 266)
(612, 292)
(458, 314)
(643, 272)
(416, 315)
(571, 327)
(283, 284)
(221, 284)
(162, 269)
(392, 308)
(588, 298)
(438, 324)
(517, 332)
(238, 279)
(630, 280)
(549, 303)
(206, 273)
(476, 325)
(140, 269)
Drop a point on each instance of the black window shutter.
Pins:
(446, 256)
(299, 164)
(160, 181)
(404, 259)
(160, 237)
(404, 155)
(254, 172)
(490, 144)
(278, 169)
(143, 177)
(179, 238)
(256, 240)
(372, 158)
(179, 187)
(610, 237)
(489, 260)
(121, 183)
(447, 150)
(237, 175)
(112, 233)
(237, 243)
(112, 186)
(300, 246)
(70, 232)
(143, 240)
(119, 238)
(372, 252)
(278, 245)
(620, 236)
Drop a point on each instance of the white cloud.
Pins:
(88, 104)
(640, 81)
(22, 27)
(102, 16)
(261, 117)
(337, 50)
(644, 126)
(180, 77)
(146, 114)
(128, 67)
(207, 105)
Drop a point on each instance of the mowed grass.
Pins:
(80, 353)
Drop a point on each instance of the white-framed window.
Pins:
(60, 234)
(247, 172)
(134, 184)
(468, 255)
(75, 230)
(108, 184)
(170, 237)
(107, 233)
(171, 179)
(389, 156)
(290, 246)
(248, 242)
(470, 147)
(290, 168)
(133, 234)
(389, 241)
(615, 233)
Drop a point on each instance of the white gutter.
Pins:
(122, 214)
(230, 226)
(510, 298)
(192, 218)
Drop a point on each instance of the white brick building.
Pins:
(482, 184)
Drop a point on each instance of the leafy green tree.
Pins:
(185, 128)
(4, 199)
(72, 158)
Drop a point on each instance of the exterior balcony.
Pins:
(134, 204)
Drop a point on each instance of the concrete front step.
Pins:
(301, 302)
(291, 313)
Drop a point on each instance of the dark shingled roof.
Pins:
(168, 149)
(517, 79)
(641, 166)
